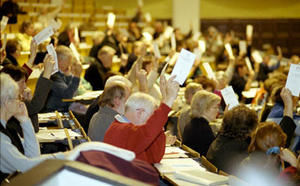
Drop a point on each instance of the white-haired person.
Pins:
(16, 153)
(198, 134)
(141, 128)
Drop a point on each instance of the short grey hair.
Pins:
(9, 88)
(63, 53)
(140, 100)
(202, 101)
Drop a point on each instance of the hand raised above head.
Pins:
(169, 89)
(48, 66)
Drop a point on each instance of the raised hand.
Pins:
(169, 90)
(287, 99)
(48, 66)
(76, 69)
(33, 51)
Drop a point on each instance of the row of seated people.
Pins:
(133, 109)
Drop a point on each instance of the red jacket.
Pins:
(147, 141)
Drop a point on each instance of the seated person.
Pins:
(231, 144)
(111, 102)
(64, 84)
(198, 134)
(141, 128)
(16, 153)
(33, 104)
(184, 114)
(240, 82)
(25, 36)
(13, 52)
(94, 106)
(96, 73)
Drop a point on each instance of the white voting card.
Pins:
(243, 46)
(201, 45)
(51, 51)
(168, 32)
(293, 80)
(4, 21)
(156, 50)
(148, 17)
(248, 63)
(75, 52)
(140, 3)
(111, 18)
(229, 97)
(249, 31)
(229, 50)
(257, 57)
(183, 65)
(147, 36)
(4, 42)
(43, 35)
(173, 42)
(209, 71)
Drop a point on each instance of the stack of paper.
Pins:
(46, 117)
(201, 177)
(174, 152)
(51, 135)
(88, 95)
(177, 164)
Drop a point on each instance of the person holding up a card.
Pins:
(33, 104)
(265, 68)
(64, 84)
(242, 78)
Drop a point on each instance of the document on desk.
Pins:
(229, 97)
(51, 51)
(45, 117)
(183, 65)
(43, 35)
(51, 135)
(174, 152)
(293, 80)
(177, 164)
(201, 177)
(88, 95)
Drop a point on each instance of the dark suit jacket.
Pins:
(96, 75)
(64, 87)
(198, 135)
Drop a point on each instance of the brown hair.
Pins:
(239, 122)
(11, 46)
(267, 135)
(117, 89)
(15, 72)
(205, 82)
(24, 26)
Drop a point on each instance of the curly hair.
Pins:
(239, 122)
(267, 135)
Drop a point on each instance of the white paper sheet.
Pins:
(51, 51)
(249, 31)
(111, 18)
(177, 164)
(4, 42)
(156, 50)
(168, 32)
(4, 21)
(147, 36)
(229, 50)
(243, 46)
(75, 52)
(173, 42)
(257, 57)
(293, 80)
(148, 17)
(183, 65)
(229, 97)
(201, 45)
(43, 35)
(248, 63)
(55, 134)
(209, 71)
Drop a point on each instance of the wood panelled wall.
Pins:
(282, 32)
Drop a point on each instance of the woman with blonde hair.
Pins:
(198, 135)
